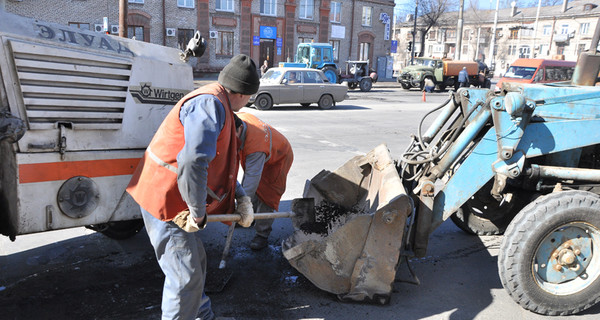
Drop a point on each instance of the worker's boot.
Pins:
(258, 243)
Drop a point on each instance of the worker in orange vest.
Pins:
(266, 157)
(190, 170)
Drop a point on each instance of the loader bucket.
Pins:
(353, 246)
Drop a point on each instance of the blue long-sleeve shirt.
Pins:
(203, 118)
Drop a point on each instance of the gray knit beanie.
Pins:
(240, 75)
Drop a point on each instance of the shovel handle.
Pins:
(257, 216)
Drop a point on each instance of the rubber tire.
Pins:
(522, 238)
(405, 86)
(331, 74)
(120, 230)
(326, 102)
(305, 104)
(493, 221)
(366, 84)
(263, 102)
(441, 88)
(352, 85)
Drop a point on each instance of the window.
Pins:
(366, 16)
(547, 29)
(512, 50)
(185, 3)
(183, 37)
(80, 25)
(466, 34)
(311, 77)
(544, 49)
(136, 32)
(450, 34)
(514, 34)
(224, 44)
(136, 1)
(524, 52)
(304, 40)
(564, 29)
(498, 33)
(560, 49)
(432, 35)
(336, 49)
(584, 28)
(465, 49)
(364, 48)
(267, 7)
(539, 75)
(335, 14)
(307, 8)
(224, 5)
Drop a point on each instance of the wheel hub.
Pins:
(564, 255)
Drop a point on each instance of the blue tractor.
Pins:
(316, 56)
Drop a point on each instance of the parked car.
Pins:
(297, 85)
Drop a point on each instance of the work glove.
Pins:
(185, 221)
(245, 210)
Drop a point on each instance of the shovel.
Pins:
(303, 210)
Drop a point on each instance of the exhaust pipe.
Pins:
(588, 65)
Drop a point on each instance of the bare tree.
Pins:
(431, 13)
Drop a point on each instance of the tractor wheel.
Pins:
(263, 102)
(119, 230)
(331, 74)
(442, 88)
(549, 260)
(482, 214)
(352, 85)
(366, 84)
(405, 86)
(326, 102)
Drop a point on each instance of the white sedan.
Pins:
(297, 85)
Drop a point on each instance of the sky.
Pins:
(483, 4)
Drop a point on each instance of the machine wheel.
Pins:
(549, 259)
(405, 86)
(366, 84)
(442, 88)
(331, 74)
(305, 104)
(119, 230)
(326, 102)
(352, 85)
(484, 215)
(263, 102)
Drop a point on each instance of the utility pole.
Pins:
(493, 42)
(535, 28)
(459, 30)
(123, 18)
(414, 33)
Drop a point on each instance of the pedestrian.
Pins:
(266, 157)
(264, 68)
(428, 85)
(190, 170)
(463, 77)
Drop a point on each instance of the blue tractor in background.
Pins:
(316, 56)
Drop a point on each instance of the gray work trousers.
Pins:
(263, 227)
(182, 258)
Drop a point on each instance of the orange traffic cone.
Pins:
(424, 99)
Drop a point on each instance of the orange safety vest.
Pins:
(154, 183)
(260, 137)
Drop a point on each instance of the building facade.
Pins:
(557, 32)
(264, 29)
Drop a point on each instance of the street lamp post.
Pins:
(459, 29)
(493, 42)
(414, 33)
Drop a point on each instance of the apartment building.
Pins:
(558, 32)
(264, 29)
